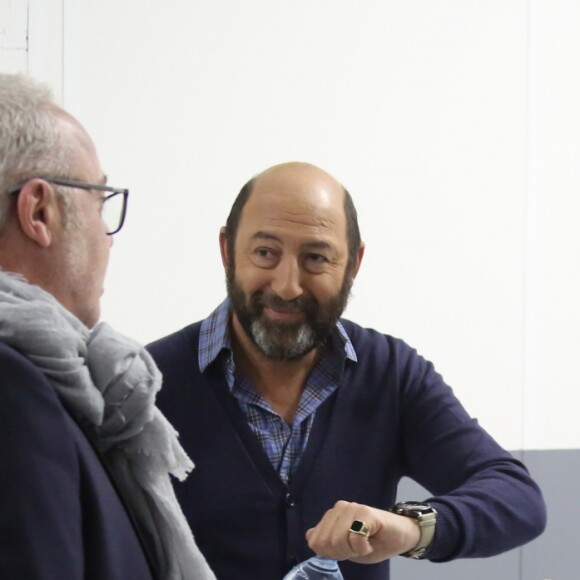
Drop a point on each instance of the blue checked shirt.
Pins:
(283, 443)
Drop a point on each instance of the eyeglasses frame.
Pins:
(86, 186)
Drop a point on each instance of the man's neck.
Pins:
(280, 382)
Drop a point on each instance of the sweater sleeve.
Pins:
(40, 516)
(487, 503)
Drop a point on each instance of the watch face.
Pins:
(418, 507)
(412, 508)
(415, 505)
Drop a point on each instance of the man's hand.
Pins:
(389, 534)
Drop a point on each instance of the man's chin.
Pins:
(297, 340)
(283, 354)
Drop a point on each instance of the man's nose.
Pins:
(286, 280)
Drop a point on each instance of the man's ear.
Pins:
(224, 247)
(359, 257)
(38, 211)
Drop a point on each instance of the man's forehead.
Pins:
(297, 191)
(298, 219)
(294, 207)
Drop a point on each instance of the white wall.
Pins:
(13, 29)
(553, 250)
(454, 125)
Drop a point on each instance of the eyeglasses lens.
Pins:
(113, 212)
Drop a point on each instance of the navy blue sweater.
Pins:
(391, 416)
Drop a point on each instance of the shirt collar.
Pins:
(215, 337)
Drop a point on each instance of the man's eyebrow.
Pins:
(260, 235)
(318, 245)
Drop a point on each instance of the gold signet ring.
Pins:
(360, 528)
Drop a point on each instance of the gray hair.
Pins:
(31, 138)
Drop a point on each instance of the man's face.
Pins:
(288, 281)
(85, 253)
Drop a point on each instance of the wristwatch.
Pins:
(425, 516)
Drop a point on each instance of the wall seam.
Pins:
(526, 255)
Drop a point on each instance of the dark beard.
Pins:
(282, 340)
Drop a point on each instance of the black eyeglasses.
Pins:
(114, 206)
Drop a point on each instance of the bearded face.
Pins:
(282, 339)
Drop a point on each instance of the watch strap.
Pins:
(425, 516)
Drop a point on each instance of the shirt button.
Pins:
(290, 501)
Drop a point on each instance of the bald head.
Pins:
(302, 185)
(296, 178)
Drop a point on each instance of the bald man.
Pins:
(302, 423)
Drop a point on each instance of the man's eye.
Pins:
(317, 259)
(316, 263)
(264, 253)
(264, 257)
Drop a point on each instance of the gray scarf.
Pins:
(109, 382)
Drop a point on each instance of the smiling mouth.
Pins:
(275, 314)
